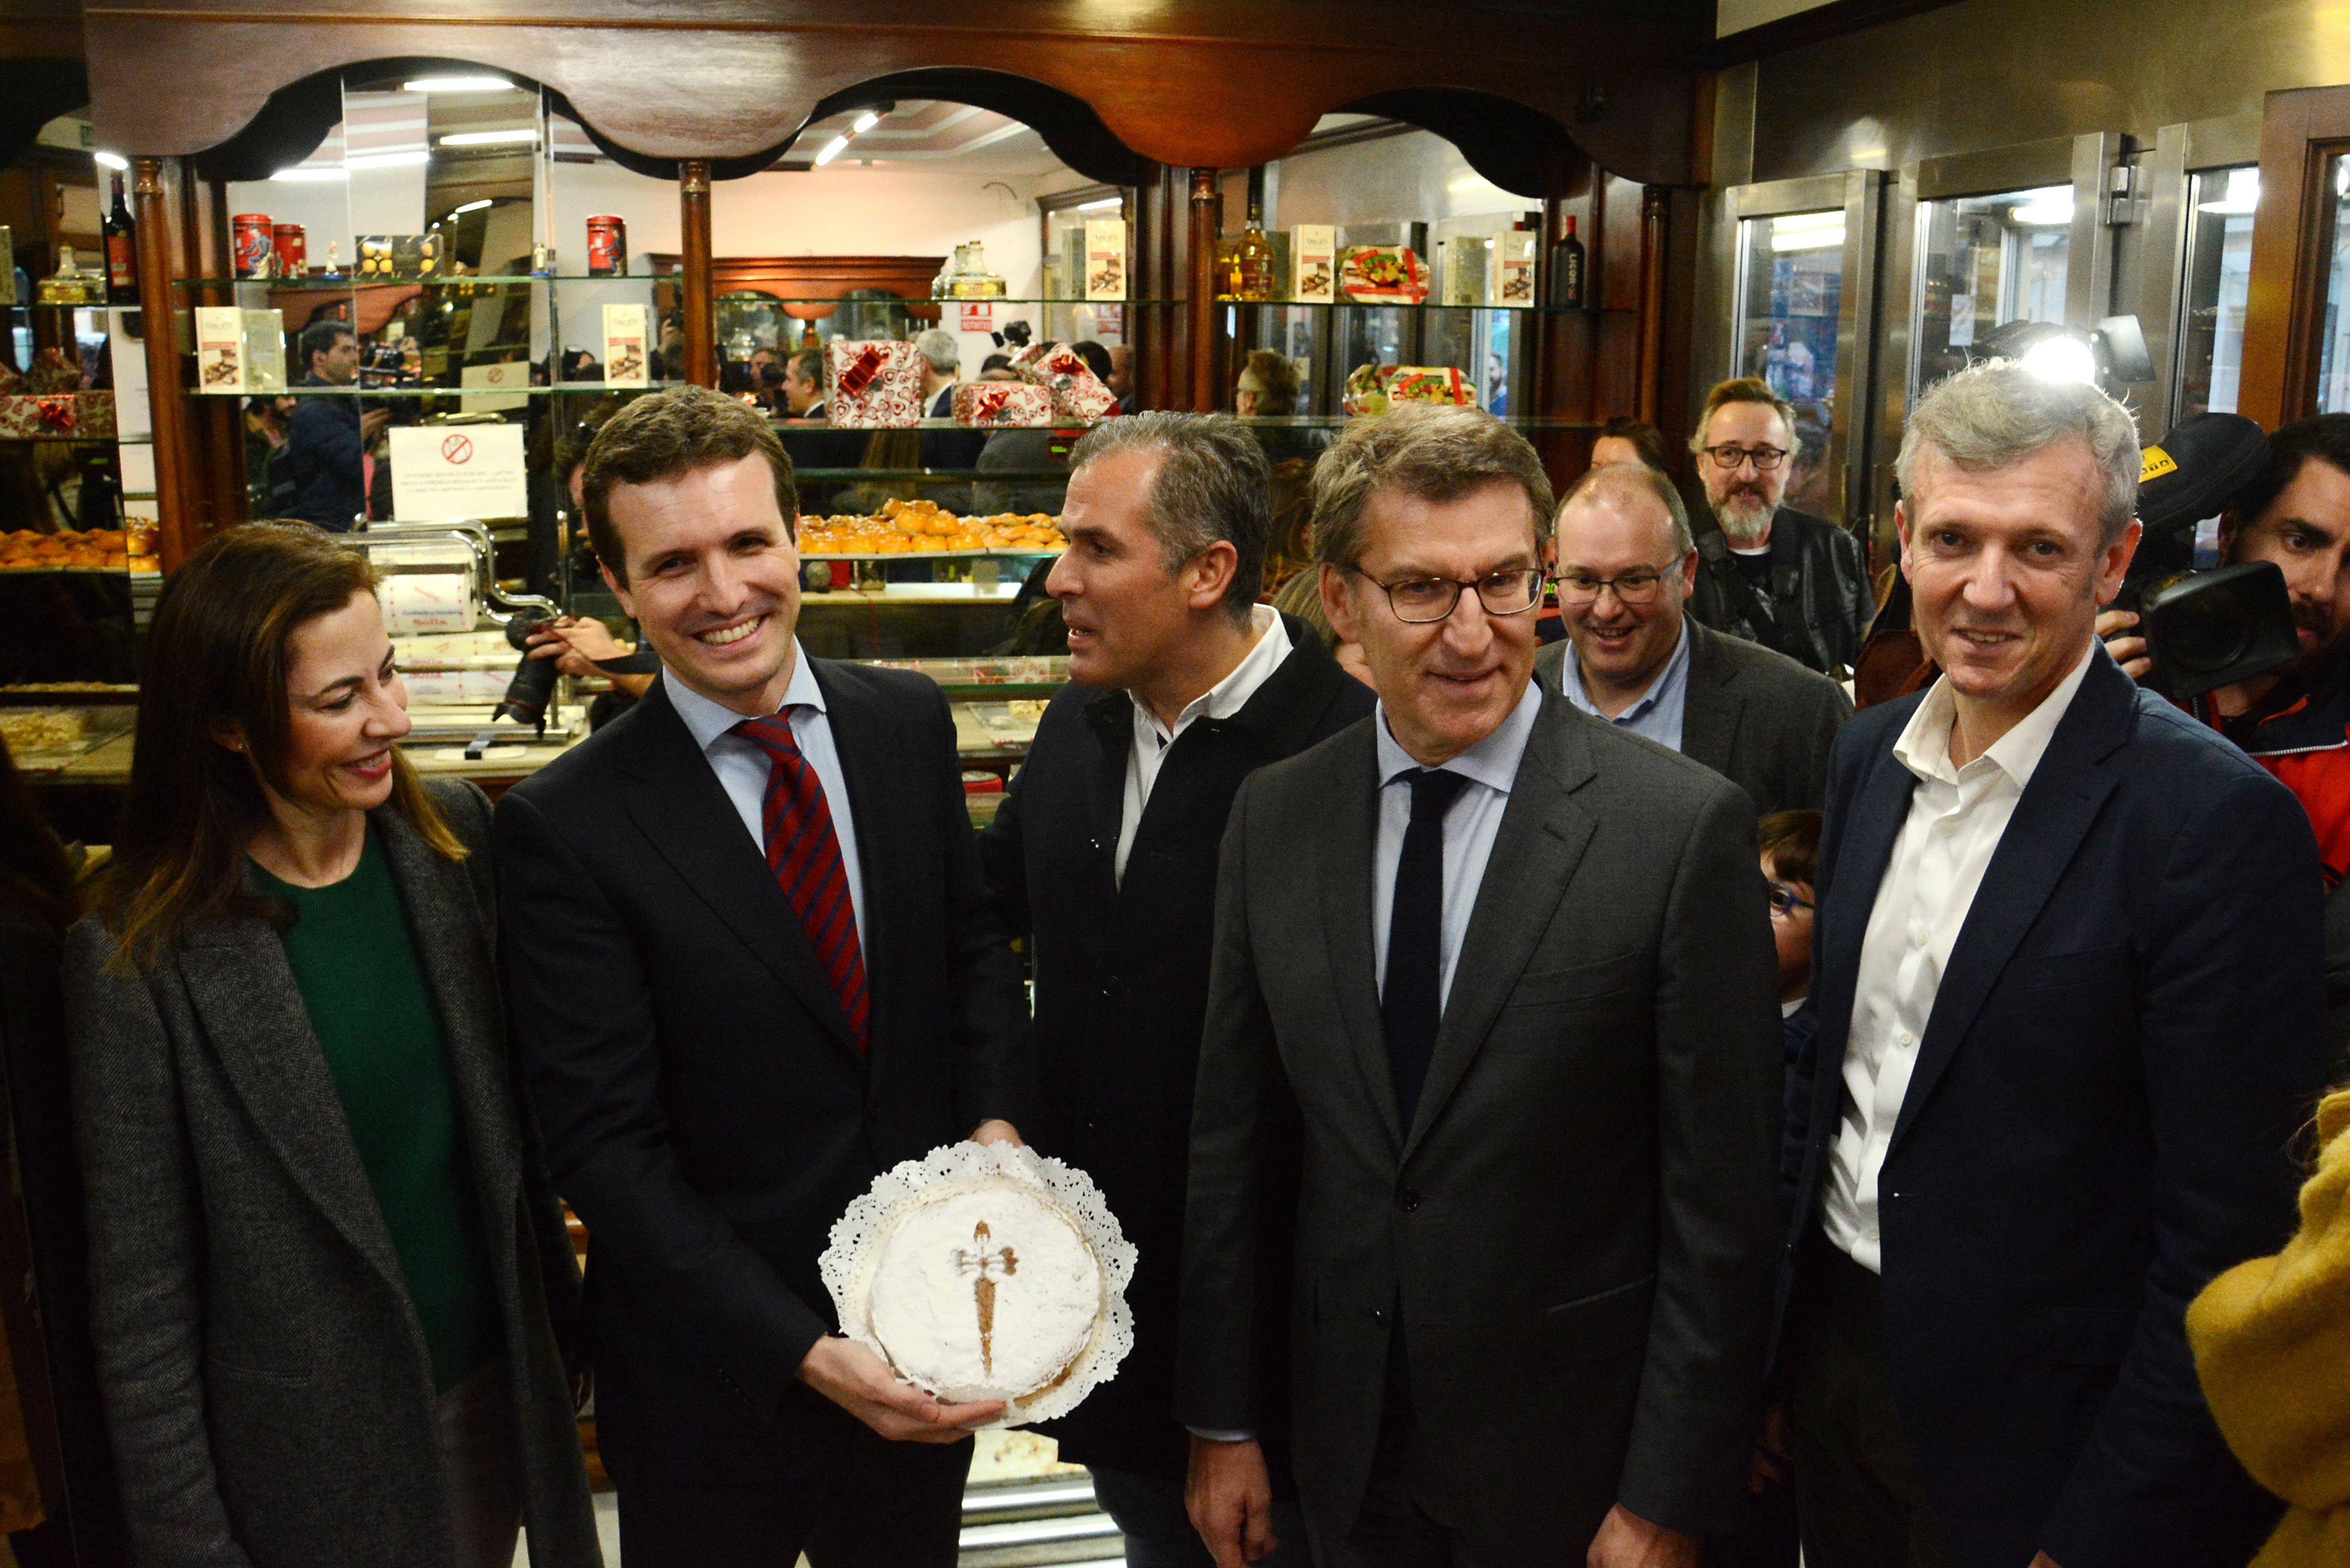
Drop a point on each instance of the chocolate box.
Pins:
(1001, 403)
(873, 385)
(1078, 393)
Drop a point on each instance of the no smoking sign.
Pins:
(456, 448)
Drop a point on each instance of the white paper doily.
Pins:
(857, 1236)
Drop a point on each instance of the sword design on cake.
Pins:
(981, 1262)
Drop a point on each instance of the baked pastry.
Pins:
(985, 1294)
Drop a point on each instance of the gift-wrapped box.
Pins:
(1078, 393)
(873, 385)
(1001, 403)
(1367, 389)
(57, 416)
(1431, 384)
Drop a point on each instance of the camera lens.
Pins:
(2206, 632)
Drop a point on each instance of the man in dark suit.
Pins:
(2067, 978)
(1625, 567)
(1768, 573)
(1104, 855)
(1510, 970)
(752, 962)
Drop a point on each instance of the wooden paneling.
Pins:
(1197, 83)
(693, 229)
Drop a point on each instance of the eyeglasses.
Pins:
(1730, 457)
(1783, 901)
(1420, 600)
(1637, 587)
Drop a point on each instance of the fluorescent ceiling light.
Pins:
(2244, 193)
(2062, 360)
(832, 150)
(865, 122)
(461, 84)
(470, 207)
(2048, 207)
(1097, 206)
(488, 138)
(114, 160)
(307, 172)
(1796, 222)
(1808, 239)
(400, 159)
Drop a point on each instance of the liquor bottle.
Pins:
(1253, 256)
(1228, 267)
(121, 251)
(1567, 271)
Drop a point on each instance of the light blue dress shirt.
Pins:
(1491, 767)
(1657, 713)
(742, 766)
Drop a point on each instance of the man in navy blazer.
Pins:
(2068, 985)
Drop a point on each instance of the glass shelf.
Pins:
(582, 387)
(347, 281)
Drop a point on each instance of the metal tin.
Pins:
(255, 250)
(293, 250)
(608, 245)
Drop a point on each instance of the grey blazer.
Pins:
(1577, 1230)
(1754, 716)
(265, 1377)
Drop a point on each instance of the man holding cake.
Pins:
(751, 964)
(1104, 854)
(1511, 971)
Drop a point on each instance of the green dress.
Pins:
(356, 965)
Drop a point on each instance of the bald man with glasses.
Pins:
(1634, 657)
(1769, 574)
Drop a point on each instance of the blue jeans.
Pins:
(1158, 1535)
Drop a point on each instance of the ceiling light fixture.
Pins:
(865, 122)
(2048, 207)
(470, 207)
(308, 171)
(405, 158)
(2244, 193)
(489, 138)
(460, 84)
(1104, 205)
(832, 150)
(114, 160)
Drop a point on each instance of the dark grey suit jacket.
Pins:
(1757, 718)
(1578, 1228)
(266, 1380)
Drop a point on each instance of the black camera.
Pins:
(533, 686)
(2206, 626)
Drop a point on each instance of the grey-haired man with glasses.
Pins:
(1507, 973)
(1626, 565)
(1767, 572)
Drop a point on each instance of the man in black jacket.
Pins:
(1105, 854)
(1770, 574)
(327, 439)
(751, 964)
(1633, 656)
(2067, 976)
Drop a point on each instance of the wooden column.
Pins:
(1158, 274)
(1207, 226)
(158, 321)
(693, 231)
(215, 428)
(1651, 339)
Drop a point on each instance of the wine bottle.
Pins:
(121, 251)
(1253, 256)
(1567, 271)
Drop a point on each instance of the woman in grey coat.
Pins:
(332, 1286)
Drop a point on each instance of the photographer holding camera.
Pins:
(2293, 721)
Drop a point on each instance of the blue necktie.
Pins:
(1411, 1000)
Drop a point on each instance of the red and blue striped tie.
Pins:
(804, 853)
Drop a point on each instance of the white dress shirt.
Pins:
(1956, 820)
(742, 766)
(1475, 817)
(1222, 701)
(1657, 713)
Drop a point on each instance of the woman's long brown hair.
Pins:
(216, 658)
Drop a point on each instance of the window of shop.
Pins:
(2216, 283)
(1984, 262)
(1791, 280)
